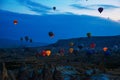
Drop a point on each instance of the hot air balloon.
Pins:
(100, 9)
(105, 49)
(80, 46)
(51, 34)
(31, 40)
(71, 50)
(54, 8)
(21, 39)
(71, 44)
(26, 38)
(89, 35)
(92, 45)
(48, 52)
(15, 22)
(61, 51)
(89, 52)
(43, 53)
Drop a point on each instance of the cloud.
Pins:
(36, 7)
(92, 7)
(108, 6)
(78, 6)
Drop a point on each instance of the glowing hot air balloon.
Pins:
(48, 52)
(71, 50)
(100, 9)
(15, 22)
(105, 49)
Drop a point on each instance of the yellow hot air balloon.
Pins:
(48, 52)
(71, 44)
(105, 49)
(71, 50)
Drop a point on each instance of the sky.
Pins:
(78, 7)
(71, 19)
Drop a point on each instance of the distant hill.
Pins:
(100, 41)
(7, 43)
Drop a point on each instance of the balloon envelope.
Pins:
(48, 52)
(105, 49)
(15, 21)
(54, 8)
(89, 35)
(51, 34)
(71, 44)
(71, 50)
(80, 46)
(100, 9)
(92, 45)
(61, 51)
(43, 53)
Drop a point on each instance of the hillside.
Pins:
(9, 43)
(100, 41)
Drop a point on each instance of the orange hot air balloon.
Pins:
(71, 44)
(48, 52)
(105, 49)
(15, 22)
(71, 50)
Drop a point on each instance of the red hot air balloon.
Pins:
(100, 9)
(51, 34)
(15, 21)
(43, 53)
(92, 45)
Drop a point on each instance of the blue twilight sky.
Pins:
(39, 7)
(71, 19)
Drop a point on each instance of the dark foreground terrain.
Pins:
(99, 64)
(84, 64)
